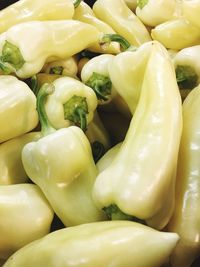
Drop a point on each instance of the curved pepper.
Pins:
(18, 113)
(122, 20)
(85, 14)
(191, 11)
(119, 243)
(11, 168)
(186, 217)
(176, 34)
(25, 216)
(140, 180)
(61, 164)
(26, 56)
(71, 103)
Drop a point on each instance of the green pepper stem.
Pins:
(34, 84)
(45, 90)
(109, 37)
(186, 77)
(98, 150)
(82, 118)
(76, 3)
(6, 70)
(142, 3)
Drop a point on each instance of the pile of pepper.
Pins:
(100, 133)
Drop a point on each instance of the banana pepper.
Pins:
(191, 11)
(186, 217)
(18, 113)
(26, 56)
(117, 14)
(119, 243)
(144, 186)
(11, 168)
(25, 216)
(61, 164)
(71, 103)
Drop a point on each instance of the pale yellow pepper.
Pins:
(25, 216)
(191, 11)
(18, 114)
(102, 244)
(132, 4)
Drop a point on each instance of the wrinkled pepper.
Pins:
(147, 193)
(71, 103)
(119, 243)
(25, 216)
(186, 217)
(117, 14)
(11, 168)
(26, 56)
(18, 113)
(191, 11)
(61, 164)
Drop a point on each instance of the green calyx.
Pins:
(56, 70)
(109, 37)
(98, 150)
(75, 110)
(101, 85)
(142, 3)
(11, 58)
(186, 77)
(76, 3)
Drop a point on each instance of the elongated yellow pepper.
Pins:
(25, 216)
(186, 217)
(27, 10)
(119, 243)
(11, 168)
(122, 20)
(48, 40)
(191, 11)
(140, 180)
(18, 113)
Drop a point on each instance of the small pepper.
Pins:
(26, 56)
(191, 11)
(18, 113)
(71, 103)
(186, 217)
(11, 168)
(122, 20)
(119, 243)
(61, 164)
(25, 216)
(140, 181)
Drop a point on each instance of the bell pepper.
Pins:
(71, 103)
(85, 14)
(26, 56)
(11, 168)
(176, 34)
(25, 216)
(61, 164)
(191, 11)
(144, 186)
(117, 14)
(119, 243)
(153, 13)
(18, 113)
(186, 219)
(27, 10)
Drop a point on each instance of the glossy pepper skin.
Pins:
(26, 56)
(147, 193)
(122, 20)
(11, 168)
(18, 113)
(186, 219)
(191, 11)
(25, 216)
(27, 10)
(61, 164)
(119, 243)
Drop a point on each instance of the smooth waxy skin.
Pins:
(25, 216)
(113, 243)
(61, 164)
(122, 20)
(18, 113)
(27, 10)
(191, 11)
(67, 37)
(11, 168)
(186, 219)
(147, 193)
